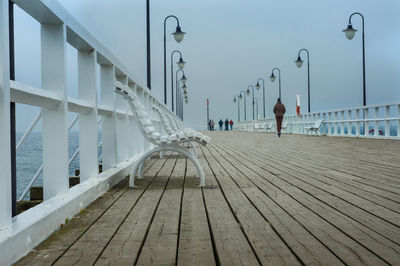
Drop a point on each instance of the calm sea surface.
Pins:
(29, 158)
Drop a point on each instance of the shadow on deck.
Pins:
(290, 200)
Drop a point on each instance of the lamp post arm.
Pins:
(363, 51)
(279, 71)
(308, 77)
(165, 55)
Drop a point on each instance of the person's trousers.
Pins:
(279, 123)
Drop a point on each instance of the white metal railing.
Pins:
(121, 142)
(372, 121)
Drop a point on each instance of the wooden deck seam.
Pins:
(180, 214)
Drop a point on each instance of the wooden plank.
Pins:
(309, 250)
(231, 245)
(53, 247)
(86, 250)
(266, 243)
(160, 246)
(372, 222)
(304, 209)
(124, 247)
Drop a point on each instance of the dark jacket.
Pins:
(279, 109)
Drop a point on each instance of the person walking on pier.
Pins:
(231, 124)
(220, 123)
(226, 124)
(279, 111)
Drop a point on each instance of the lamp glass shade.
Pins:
(272, 77)
(248, 92)
(184, 87)
(240, 97)
(181, 63)
(178, 34)
(299, 62)
(183, 79)
(186, 101)
(349, 32)
(234, 100)
(257, 86)
(185, 93)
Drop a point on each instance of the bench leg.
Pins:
(194, 148)
(179, 149)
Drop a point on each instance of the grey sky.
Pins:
(229, 44)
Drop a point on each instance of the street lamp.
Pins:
(299, 63)
(350, 32)
(178, 35)
(178, 94)
(180, 64)
(234, 101)
(272, 78)
(258, 87)
(240, 98)
(248, 93)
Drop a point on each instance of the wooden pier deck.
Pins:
(292, 200)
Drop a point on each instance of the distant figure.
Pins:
(226, 124)
(220, 123)
(231, 124)
(212, 125)
(279, 111)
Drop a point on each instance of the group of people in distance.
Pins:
(279, 111)
(228, 124)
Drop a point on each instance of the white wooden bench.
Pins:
(316, 127)
(163, 142)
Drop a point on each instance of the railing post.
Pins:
(55, 133)
(140, 94)
(342, 123)
(376, 122)
(135, 138)
(122, 124)
(88, 128)
(398, 120)
(5, 151)
(387, 122)
(109, 146)
(349, 124)
(357, 123)
(336, 126)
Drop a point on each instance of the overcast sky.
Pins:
(231, 43)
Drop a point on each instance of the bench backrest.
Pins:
(143, 120)
(318, 123)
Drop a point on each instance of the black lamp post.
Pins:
(178, 35)
(240, 98)
(181, 65)
(177, 91)
(248, 93)
(299, 63)
(258, 87)
(272, 78)
(236, 99)
(349, 35)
